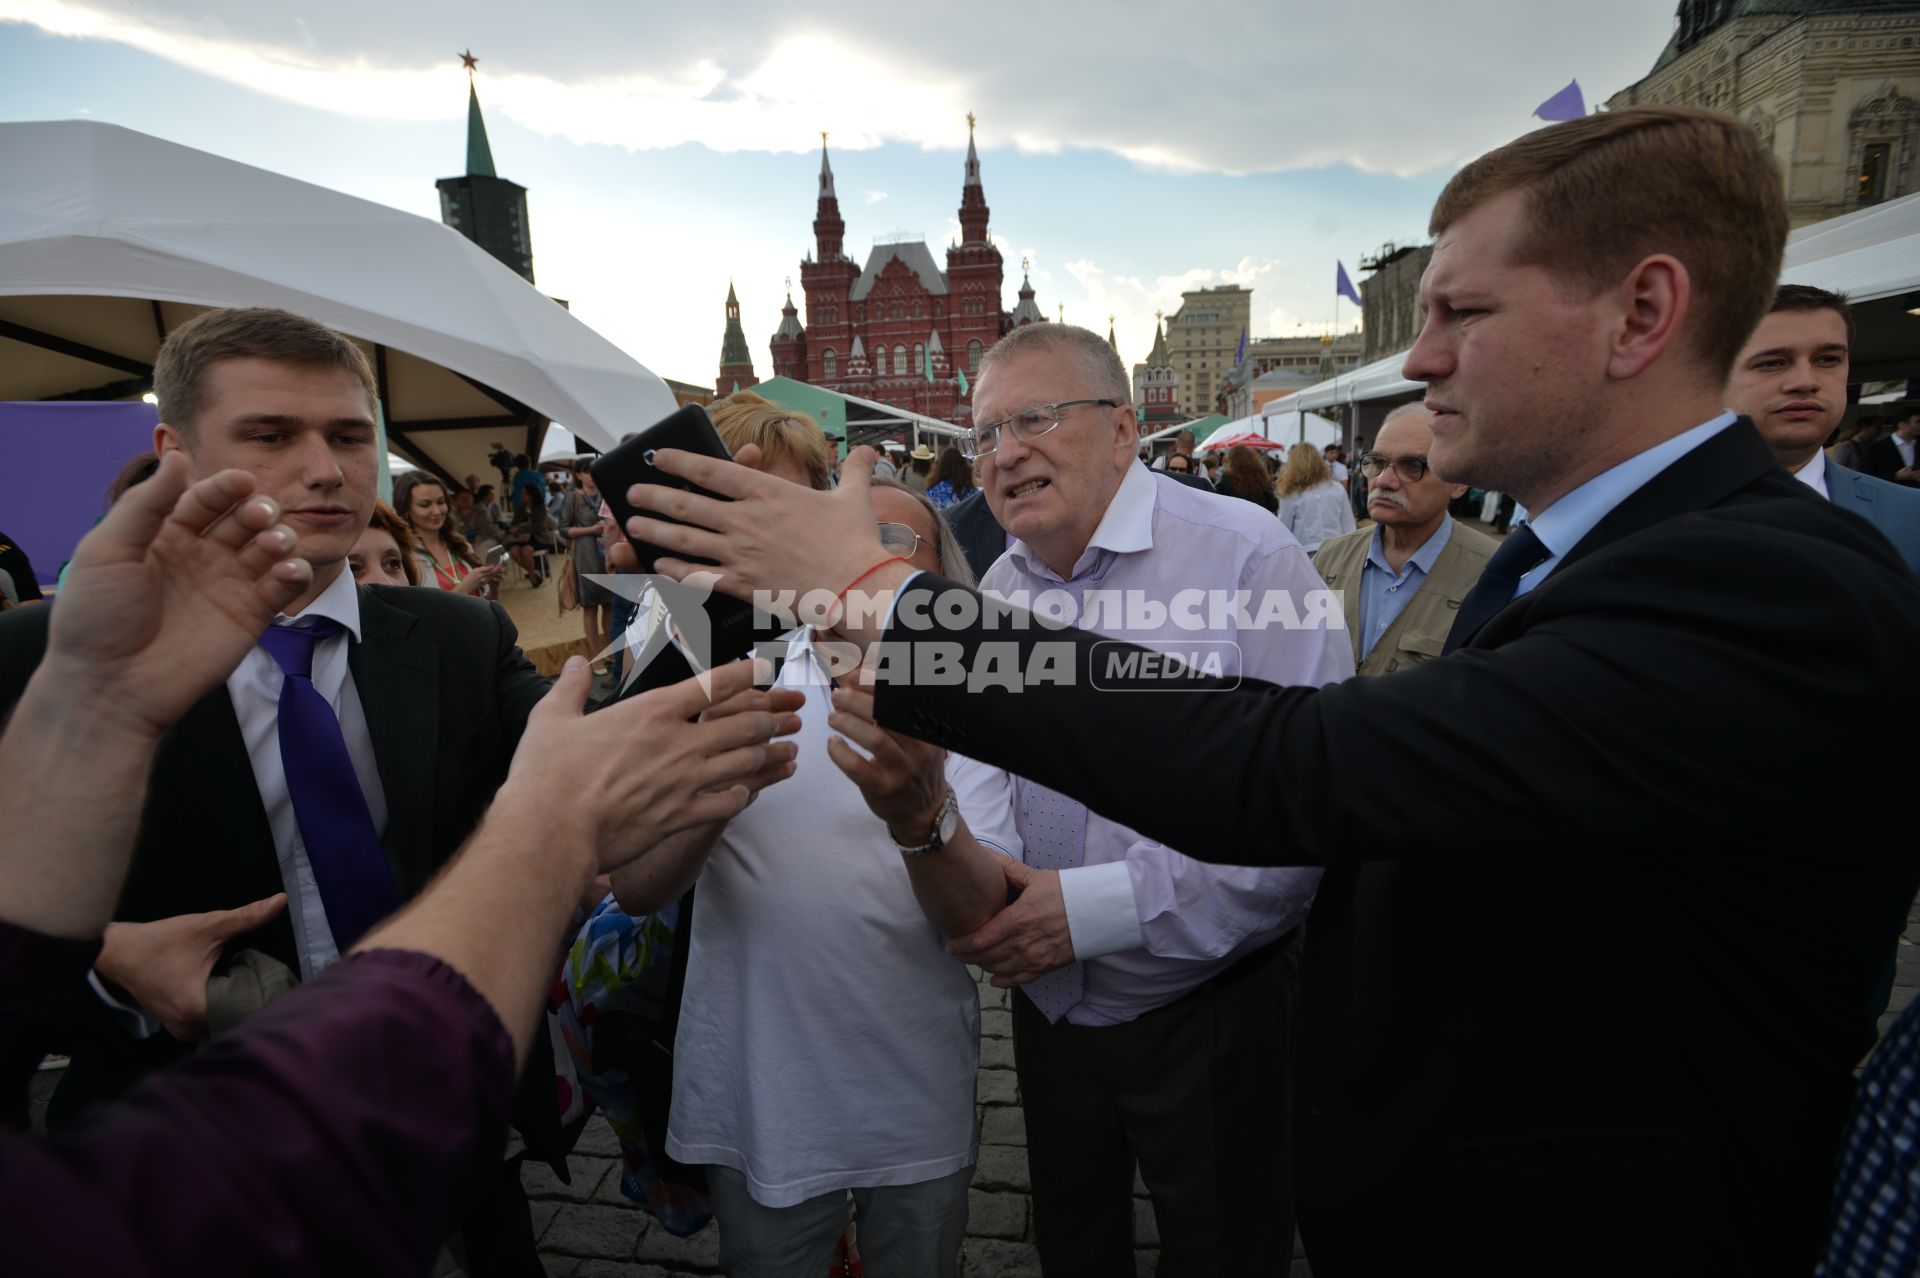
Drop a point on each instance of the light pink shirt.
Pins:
(1149, 923)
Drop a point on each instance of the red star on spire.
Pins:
(468, 61)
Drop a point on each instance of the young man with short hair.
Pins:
(340, 765)
(1791, 382)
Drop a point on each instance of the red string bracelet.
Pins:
(841, 599)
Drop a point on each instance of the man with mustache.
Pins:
(1127, 955)
(1404, 578)
(1791, 379)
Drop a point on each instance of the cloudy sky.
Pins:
(1130, 151)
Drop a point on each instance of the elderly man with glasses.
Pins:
(1153, 1019)
(1403, 579)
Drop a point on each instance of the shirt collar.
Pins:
(339, 602)
(1422, 558)
(1561, 525)
(1814, 473)
(1125, 527)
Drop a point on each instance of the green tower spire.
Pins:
(479, 154)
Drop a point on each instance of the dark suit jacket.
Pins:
(1587, 977)
(446, 694)
(1883, 459)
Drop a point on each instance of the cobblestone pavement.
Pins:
(588, 1230)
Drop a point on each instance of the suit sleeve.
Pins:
(1636, 703)
(518, 687)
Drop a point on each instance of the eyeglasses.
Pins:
(1411, 468)
(902, 540)
(1027, 425)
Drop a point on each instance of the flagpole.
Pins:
(1333, 353)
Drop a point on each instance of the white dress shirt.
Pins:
(1814, 473)
(254, 687)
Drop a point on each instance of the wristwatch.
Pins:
(946, 823)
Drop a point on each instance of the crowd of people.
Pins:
(1508, 937)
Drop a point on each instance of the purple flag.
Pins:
(1564, 105)
(1344, 286)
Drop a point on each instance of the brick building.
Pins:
(897, 328)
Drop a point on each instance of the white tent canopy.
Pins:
(1378, 380)
(1870, 254)
(1282, 426)
(109, 238)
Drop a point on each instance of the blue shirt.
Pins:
(1383, 594)
(528, 478)
(1561, 525)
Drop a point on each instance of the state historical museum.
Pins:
(898, 329)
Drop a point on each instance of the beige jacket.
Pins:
(1420, 631)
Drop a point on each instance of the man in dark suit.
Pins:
(422, 698)
(1603, 1018)
(1897, 457)
(1791, 382)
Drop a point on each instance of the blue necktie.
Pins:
(1054, 829)
(1518, 555)
(356, 888)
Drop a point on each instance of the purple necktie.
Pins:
(1054, 830)
(356, 888)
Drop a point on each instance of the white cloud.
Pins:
(1393, 85)
(874, 197)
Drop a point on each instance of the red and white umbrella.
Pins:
(1249, 439)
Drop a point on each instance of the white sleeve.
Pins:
(130, 1014)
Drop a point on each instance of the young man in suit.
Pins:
(1897, 457)
(1791, 382)
(406, 707)
(1558, 1031)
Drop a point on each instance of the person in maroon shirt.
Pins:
(340, 1129)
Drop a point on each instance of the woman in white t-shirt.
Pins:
(827, 1042)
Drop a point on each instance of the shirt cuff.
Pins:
(1102, 918)
(131, 1016)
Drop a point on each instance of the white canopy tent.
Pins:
(1378, 380)
(1873, 256)
(1281, 426)
(1284, 424)
(110, 238)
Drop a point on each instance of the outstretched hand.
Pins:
(645, 768)
(902, 780)
(771, 536)
(167, 594)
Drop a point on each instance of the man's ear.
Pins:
(168, 439)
